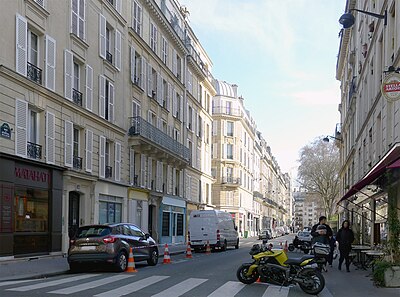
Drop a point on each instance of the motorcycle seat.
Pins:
(296, 261)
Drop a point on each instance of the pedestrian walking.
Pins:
(345, 238)
(320, 234)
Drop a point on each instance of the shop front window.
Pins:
(31, 210)
(110, 212)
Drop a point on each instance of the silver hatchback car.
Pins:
(111, 243)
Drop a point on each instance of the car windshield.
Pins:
(93, 231)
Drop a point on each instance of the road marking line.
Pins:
(181, 288)
(92, 284)
(276, 291)
(230, 288)
(133, 287)
(52, 283)
(325, 293)
(10, 283)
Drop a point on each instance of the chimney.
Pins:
(235, 87)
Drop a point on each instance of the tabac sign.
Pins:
(391, 87)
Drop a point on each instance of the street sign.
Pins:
(391, 87)
(5, 131)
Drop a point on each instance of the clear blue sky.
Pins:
(282, 54)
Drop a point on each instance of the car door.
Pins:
(140, 241)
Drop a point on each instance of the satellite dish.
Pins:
(347, 20)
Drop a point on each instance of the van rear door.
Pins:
(202, 227)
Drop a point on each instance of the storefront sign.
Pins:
(26, 175)
(6, 205)
(5, 131)
(391, 87)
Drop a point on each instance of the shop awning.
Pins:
(390, 160)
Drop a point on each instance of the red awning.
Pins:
(390, 160)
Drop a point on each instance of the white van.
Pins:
(214, 226)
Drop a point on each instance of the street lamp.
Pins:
(347, 19)
(326, 139)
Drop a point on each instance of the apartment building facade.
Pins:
(370, 122)
(88, 138)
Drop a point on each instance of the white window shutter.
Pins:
(131, 166)
(143, 170)
(142, 79)
(149, 172)
(180, 108)
(133, 65)
(89, 150)
(174, 102)
(102, 36)
(102, 96)
(89, 88)
(102, 156)
(117, 156)
(68, 74)
(74, 17)
(111, 102)
(181, 183)
(158, 89)
(169, 179)
(21, 123)
(149, 79)
(174, 183)
(21, 38)
(50, 138)
(118, 6)
(169, 96)
(161, 176)
(50, 63)
(118, 48)
(68, 142)
(174, 62)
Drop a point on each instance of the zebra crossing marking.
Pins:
(91, 285)
(276, 291)
(52, 283)
(231, 288)
(133, 287)
(181, 288)
(16, 282)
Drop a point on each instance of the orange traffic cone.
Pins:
(131, 262)
(258, 280)
(188, 251)
(208, 249)
(286, 247)
(167, 258)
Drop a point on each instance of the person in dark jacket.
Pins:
(345, 237)
(317, 234)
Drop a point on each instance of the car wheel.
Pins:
(153, 258)
(237, 244)
(122, 261)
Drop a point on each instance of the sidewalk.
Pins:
(42, 266)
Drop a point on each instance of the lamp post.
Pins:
(347, 19)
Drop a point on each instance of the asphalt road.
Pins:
(204, 275)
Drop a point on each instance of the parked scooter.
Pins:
(273, 266)
(304, 246)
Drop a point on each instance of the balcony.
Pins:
(77, 97)
(109, 57)
(230, 180)
(195, 60)
(223, 110)
(34, 150)
(147, 137)
(108, 172)
(77, 162)
(34, 73)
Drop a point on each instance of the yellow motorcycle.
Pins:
(273, 266)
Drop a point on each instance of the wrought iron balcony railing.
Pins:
(34, 150)
(108, 172)
(77, 97)
(231, 180)
(140, 127)
(77, 162)
(109, 57)
(34, 73)
(227, 111)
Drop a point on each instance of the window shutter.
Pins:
(161, 176)
(118, 6)
(21, 38)
(111, 102)
(117, 161)
(174, 103)
(142, 79)
(102, 156)
(149, 80)
(50, 63)
(174, 184)
(169, 96)
(89, 150)
(158, 89)
(133, 65)
(181, 183)
(102, 37)
(68, 74)
(118, 49)
(82, 19)
(131, 166)
(149, 172)
(50, 138)
(143, 160)
(102, 96)
(180, 108)
(74, 17)
(198, 158)
(89, 88)
(174, 62)
(21, 123)
(69, 139)
(169, 179)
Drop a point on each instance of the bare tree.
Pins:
(319, 171)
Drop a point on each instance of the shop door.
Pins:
(174, 226)
(73, 213)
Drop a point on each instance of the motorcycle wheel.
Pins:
(241, 274)
(291, 247)
(317, 281)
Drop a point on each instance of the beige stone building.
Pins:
(105, 113)
(369, 134)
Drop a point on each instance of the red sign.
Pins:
(26, 175)
(391, 87)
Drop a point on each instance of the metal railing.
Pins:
(34, 73)
(77, 162)
(196, 57)
(108, 172)
(34, 150)
(109, 57)
(231, 180)
(140, 127)
(77, 97)
(227, 110)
